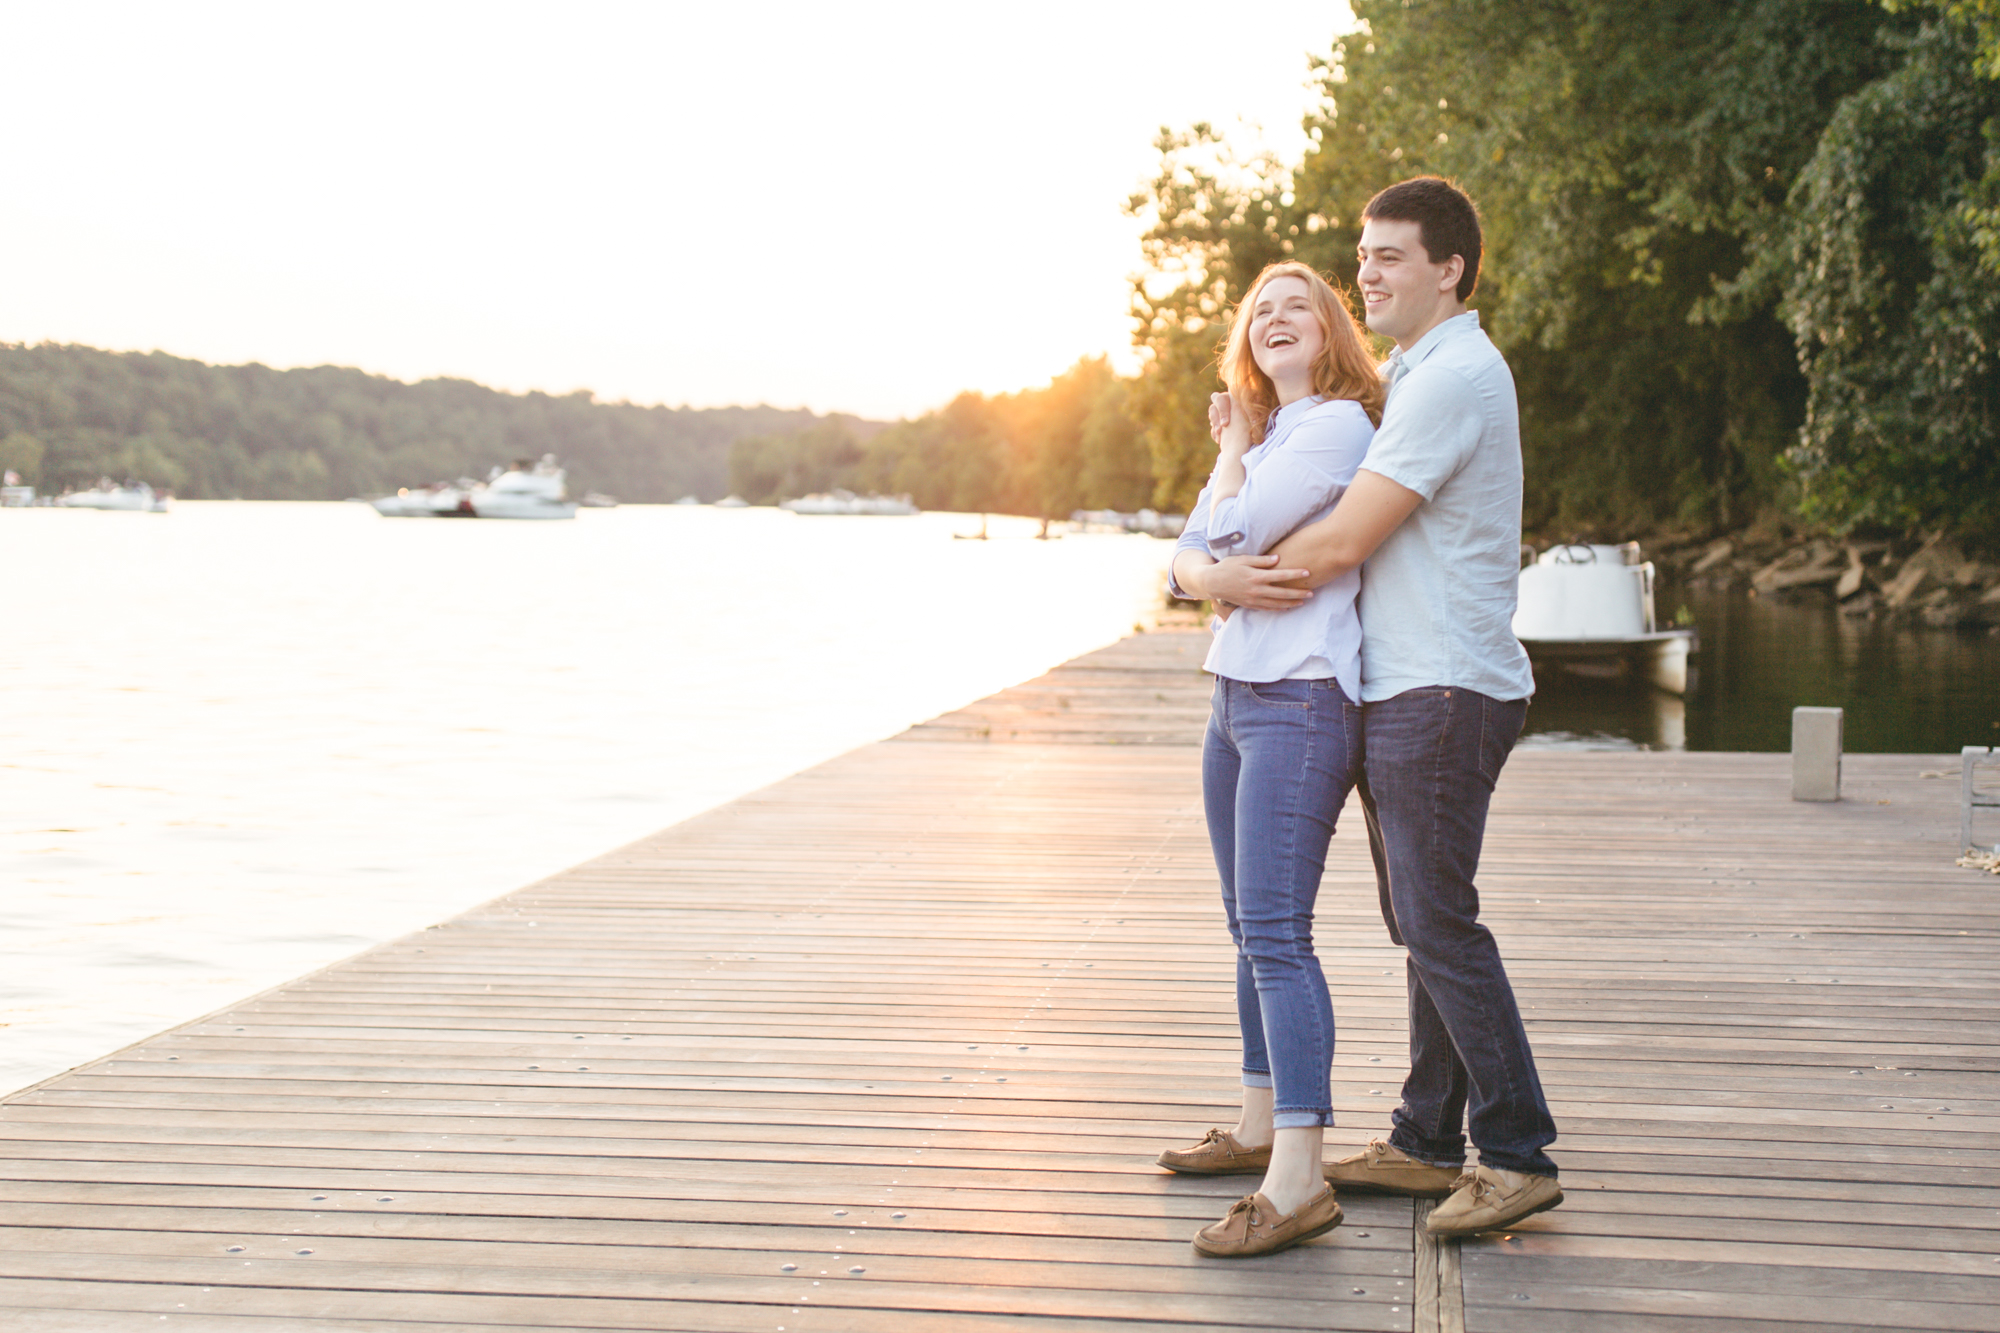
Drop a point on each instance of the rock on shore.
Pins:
(1929, 580)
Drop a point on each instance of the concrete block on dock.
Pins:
(1816, 754)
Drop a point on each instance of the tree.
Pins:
(1889, 285)
(22, 453)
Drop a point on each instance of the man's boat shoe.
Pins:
(1381, 1169)
(1217, 1155)
(1492, 1200)
(1253, 1226)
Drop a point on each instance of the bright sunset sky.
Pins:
(861, 207)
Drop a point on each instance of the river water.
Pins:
(1904, 689)
(240, 741)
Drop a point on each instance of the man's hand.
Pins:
(1254, 581)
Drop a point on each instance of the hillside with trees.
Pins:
(69, 415)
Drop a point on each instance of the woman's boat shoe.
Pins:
(1253, 1226)
(1219, 1154)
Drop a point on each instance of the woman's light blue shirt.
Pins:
(1295, 477)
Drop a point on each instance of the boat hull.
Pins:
(1659, 658)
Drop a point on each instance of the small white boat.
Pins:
(524, 492)
(847, 502)
(442, 500)
(14, 494)
(134, 496)
(1588, 611)
(732, 502)
(1151, 522)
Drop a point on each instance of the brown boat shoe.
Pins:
(1491, 1200)
(1219, 1154)
(1381, 1169)
(1253, 1226)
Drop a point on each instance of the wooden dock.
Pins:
(890, 1046)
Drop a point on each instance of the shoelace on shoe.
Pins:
(1246, 1204)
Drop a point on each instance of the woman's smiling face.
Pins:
(1285, 336)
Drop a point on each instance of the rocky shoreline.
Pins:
(1924, 580)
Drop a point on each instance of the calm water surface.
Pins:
(1905, 690)
(240, 741)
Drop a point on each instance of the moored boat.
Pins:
(1587, 610)
(525, 491)
(438, 500)
(847, 502)
(133, 497)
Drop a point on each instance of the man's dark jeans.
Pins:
(1432, 757)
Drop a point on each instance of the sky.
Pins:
(863, 207)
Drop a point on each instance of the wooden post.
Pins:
(1970, 798)
(1816, 754)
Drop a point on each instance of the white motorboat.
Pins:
(134, 497)
(14, 493)
(847, 502)
(1151, 522)
(525, 492)
(1588, 611)
(732, 502)
(441, 500)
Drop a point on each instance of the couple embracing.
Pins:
(1362, 533)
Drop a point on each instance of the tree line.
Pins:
(69, 415)
(1046, 452)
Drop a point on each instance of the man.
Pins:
(1435, 514)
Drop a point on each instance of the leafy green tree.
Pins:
(1888, 285)
(22, 453)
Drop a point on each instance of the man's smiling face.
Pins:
(1406, 294)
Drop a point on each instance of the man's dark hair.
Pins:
(1447, 222)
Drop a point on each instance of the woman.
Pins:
(1284, 736)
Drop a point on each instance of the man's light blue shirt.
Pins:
(1294, 477)
(1437, 598)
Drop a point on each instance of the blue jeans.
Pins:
(1433, 757)
(1276, 767)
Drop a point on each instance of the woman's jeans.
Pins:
(1276, 767)
(1433, 757)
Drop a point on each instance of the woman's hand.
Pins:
(1228, 424)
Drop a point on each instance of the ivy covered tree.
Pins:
(1649, 172)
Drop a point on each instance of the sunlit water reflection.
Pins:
(240, 741)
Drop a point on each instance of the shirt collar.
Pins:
(1291, 412)
(1436, 338)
